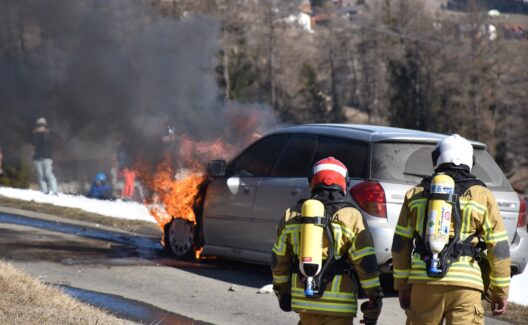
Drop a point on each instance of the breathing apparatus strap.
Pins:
(455, 248)
(320, 285)
(320, 221)
(449, 198)
(331, 266)
(446, 255)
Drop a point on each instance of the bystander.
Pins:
(42, 157)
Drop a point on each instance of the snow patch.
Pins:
(519, 288)
(116, 209)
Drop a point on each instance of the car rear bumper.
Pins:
(382, 235)
(519, 251)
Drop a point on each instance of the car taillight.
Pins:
(521, 221)
(370, 197)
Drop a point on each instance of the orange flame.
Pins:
(198, 252)
(176, 192)
(195, 154)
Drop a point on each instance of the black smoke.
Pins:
(103, 72)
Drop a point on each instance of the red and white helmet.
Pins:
(329, 173)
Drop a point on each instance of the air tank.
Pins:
(439, 218)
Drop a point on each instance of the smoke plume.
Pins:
(107, 71)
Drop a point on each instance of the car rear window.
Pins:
(487, 170)
(351, 153)
(410, 162)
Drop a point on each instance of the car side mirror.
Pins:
(216, 168)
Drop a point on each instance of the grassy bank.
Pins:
(516, 314)
(135, 226)
(24, 300)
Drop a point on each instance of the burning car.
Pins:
(236, 208)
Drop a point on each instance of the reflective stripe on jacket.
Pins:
(479, 214)
(352, 241)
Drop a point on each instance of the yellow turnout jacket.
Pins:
(352, 241)
(479, 214)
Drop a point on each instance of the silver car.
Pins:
(245, 198)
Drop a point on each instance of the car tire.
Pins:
(179, 238)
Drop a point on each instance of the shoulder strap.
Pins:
(332, 207)
(298, 204)
(462, 185)
(331, 267)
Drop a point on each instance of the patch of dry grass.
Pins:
(24, 300)
(515, 314)
(135, 226)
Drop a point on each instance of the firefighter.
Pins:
(340, 242)
(453, 292)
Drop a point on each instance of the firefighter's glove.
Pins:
(371, 310)
(285, 302)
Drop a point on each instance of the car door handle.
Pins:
(296, 191)
(246, 189)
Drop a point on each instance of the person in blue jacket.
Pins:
(100, 189)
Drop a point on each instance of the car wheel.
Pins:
(179, 238)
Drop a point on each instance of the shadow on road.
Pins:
(127, 249)
(133, 310)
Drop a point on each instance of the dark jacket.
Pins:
(43, 143)
(100, 191)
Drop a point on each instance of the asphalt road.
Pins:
(90, 258)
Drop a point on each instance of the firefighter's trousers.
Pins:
(316, 319)
(457, 305)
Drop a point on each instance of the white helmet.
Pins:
(453, 149)
(41, 121)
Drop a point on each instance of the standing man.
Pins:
(344, 244)
(451, 291)
(126, 169)
(42, 160)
